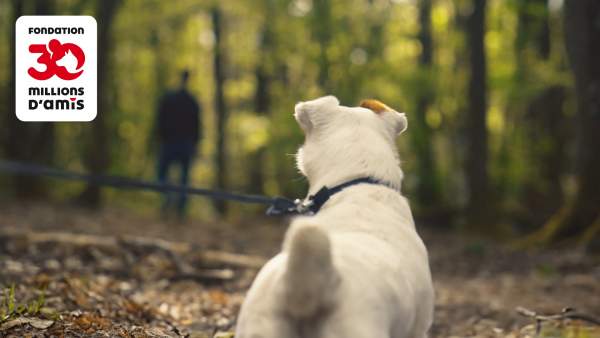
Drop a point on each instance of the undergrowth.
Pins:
(10, 308)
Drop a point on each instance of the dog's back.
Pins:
(338, 278)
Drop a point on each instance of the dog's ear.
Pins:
(311, 113)
(396, 120)
(399, 121)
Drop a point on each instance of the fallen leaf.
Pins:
(12, 323)
(40, 323)
(37, 323)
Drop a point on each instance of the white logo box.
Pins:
(56, 99)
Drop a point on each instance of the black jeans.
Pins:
(176, 154)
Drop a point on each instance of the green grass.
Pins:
(10, 308)
(572, 332)
(566, 330)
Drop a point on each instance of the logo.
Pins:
(56, 68)
(52, 57)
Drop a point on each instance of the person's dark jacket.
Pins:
(179, 118)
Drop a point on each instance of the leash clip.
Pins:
(284, 206)
(304, 207)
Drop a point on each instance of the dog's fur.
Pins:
(356, 269)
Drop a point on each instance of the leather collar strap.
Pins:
(313, 203)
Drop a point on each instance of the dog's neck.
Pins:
(336, 176)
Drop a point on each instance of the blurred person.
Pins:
(179, 127)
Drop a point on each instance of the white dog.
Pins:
(356, 268)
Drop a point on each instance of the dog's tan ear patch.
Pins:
(375, 105)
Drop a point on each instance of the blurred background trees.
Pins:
(502, 96)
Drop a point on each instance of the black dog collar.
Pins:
(312, 205)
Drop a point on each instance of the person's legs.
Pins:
(187, 155)
(165, 159)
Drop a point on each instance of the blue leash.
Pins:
(278, 206)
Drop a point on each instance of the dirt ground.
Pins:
(68, 272)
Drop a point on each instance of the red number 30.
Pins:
(53, 54)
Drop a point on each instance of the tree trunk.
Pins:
(322, 32)
(15, 128)
(534, 27)
(545, 123)
(583, 47)
(478, 209)
(31, 141)
(579, 217)
(160, 80)
(544, 119)
(428, 193)
(220, 108)
(160, 60)
(97, 158)
(262, 106)
(42, 146)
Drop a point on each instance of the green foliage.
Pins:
(353, 49)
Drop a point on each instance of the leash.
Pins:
(28, 169)
(278, 206)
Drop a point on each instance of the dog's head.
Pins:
(347, 142)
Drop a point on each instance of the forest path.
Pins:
(118, 274)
